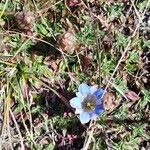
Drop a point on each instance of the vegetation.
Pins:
(48, 48)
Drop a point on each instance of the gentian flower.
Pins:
(88, 103)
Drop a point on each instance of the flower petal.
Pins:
(75, 103)
(93, 116)
(78, 111)
(93, 89)
(84, 89)
(84, 117)
(99, 109)
(80, 96)
(98, 95)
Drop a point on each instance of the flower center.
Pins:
(89, 103)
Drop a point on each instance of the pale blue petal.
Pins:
(84, 89)
(93, 89)
(75, 102)
(99, 109)
(84, 117)
(78, 111)
(80, 96)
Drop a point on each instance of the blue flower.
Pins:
(88, 103)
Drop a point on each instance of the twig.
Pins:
(99, 53)
(137, 13)
(9, 133)
(89, 140)
(18, 130)
(26, 128)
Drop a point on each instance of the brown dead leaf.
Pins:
(72, 3)
(67, 42)
(44, 140)
(132, 95)
(85, 61)
(108, 42)
(110, 102)
(25, 20)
